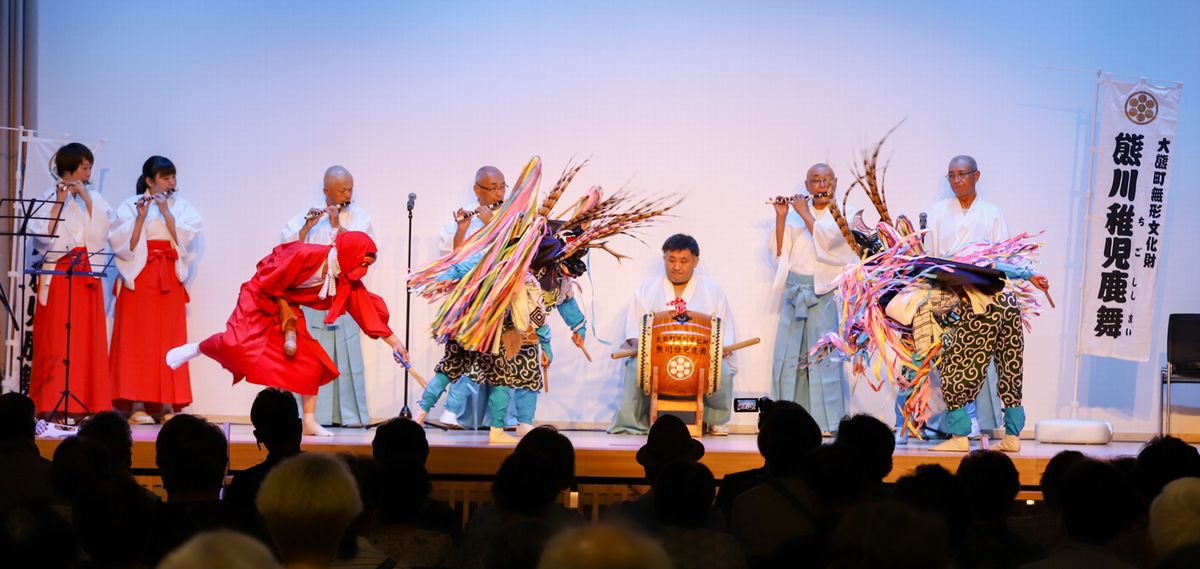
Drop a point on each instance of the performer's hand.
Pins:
(143, 207)
(462, 218)
(1041, 282)
(781, 206)
(313, 215)
(334, 217)
(61, 191)
(485, 214)
(160, 200)
(800, 204)
(577, 339)
(400, 354)
(545, 359)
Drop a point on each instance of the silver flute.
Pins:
(790, 199)
(315, 214)
(147, 198)
(473, 213)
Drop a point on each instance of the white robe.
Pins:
(833, 253)
(446, 236)
(77, 229)
(702, 294)
(130, 262)
(951, 228)
(351, 217)
(798, 254)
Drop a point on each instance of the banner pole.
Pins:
(1074, 430)
(1087, 234)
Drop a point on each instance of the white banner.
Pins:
(1126, 224)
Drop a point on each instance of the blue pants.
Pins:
(821, 387)
(525, 401)
(342, 401)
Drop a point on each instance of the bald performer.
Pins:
(465, 404)
(343, 401)
(810, 253)
(955, 224)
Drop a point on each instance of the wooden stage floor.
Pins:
(599, 456)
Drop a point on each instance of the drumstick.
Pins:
(739, 345)
(1047, 292)
(418, 377)
(585, 353)
(728, 349)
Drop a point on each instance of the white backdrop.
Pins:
(728, 103)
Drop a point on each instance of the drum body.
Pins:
(679, 356)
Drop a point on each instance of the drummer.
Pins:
(679, 287)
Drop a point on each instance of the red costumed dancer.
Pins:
(266, 341)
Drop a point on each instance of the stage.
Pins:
(600, 457)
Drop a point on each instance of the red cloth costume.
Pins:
(89, 350)
(251, 347)
(150, 319)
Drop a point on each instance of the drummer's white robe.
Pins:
(703, 295)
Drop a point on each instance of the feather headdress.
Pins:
(479, 282)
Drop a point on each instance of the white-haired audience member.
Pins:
(307, 503)
(603, 547)
(226, 549)
(1175, 516)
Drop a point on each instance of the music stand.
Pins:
(23, 212)
(32, 209)
(76, 259)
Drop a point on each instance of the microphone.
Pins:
(412, 201)
(924, 219)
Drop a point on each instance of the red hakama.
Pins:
(251, 347)
(151, 318)
(89, 345)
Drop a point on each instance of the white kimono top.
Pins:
(130, 262)
(446, 236)
(833, 253)
(77, 229)
(952, 228)
(798, 254)
(351, 217)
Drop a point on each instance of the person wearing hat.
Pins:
(669, 442)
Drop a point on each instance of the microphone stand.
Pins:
(412, 200)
